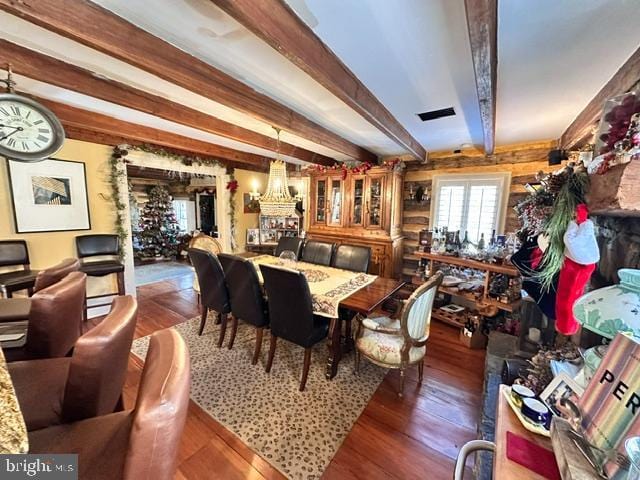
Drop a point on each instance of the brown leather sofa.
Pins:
(85, 385)
(55, 320)
(138, 443)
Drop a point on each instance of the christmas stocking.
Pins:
(581, 255)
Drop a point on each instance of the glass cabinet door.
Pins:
(335, 205)
(321, 199)
(375, 201)
(357, 207)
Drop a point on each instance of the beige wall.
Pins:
(245, 180)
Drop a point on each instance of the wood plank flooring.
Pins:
(417, 436)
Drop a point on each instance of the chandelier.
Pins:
(277, 201)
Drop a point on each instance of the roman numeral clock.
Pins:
(29, 132)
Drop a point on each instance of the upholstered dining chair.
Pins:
(87, 384)
(138, 443)
(352, 257)
(247, 301)
(55, 320)
(399, 343)
(292, 244)
(14, 253)
(317, 252)
(204, 242)
(291, 314)
(213, 289)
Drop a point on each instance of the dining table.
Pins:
(332, 289)
(13, 431)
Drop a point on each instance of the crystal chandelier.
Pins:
(277, 201)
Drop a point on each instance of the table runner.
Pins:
(328, 285)
(13, 431)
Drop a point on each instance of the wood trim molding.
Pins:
(98, 28)
(279, 26)
(482, 22)
(581, 129)
(50, 70)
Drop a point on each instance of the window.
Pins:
(180, 208)
(469, 203)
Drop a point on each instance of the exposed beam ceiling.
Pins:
(581, 129)
(93, 26)
(482, 21)
(275, 23)
(56, 72)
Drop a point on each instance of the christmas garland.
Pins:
(116, 173)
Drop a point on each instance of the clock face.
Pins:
(27, 130)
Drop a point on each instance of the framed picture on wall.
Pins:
(253, 236)
(250, 206)
(49, 196)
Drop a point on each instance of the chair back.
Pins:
(51, 275)
(290, 306)
(352, 257)
(14, 252)
(97, 244)
(247, 301)
(317, 252)
(99, 364)
(213, 289)
(292, 244)
(416, 315)
(161, 409)
(205, 242)
(55, 321)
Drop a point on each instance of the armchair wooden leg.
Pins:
(305, 368)
(357, 361)
(272, 352)
(420, 370)
(256, 351)
(223, 328)
(203, 319)
(120, 280)
(234, 330)
(401, 390)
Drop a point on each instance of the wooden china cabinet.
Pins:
(361, 209)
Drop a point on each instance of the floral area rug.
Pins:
(297, 432)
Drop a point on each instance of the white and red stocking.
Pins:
(581, 255)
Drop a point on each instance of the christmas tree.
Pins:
(158, 228)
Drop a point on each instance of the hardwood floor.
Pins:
(417, 436)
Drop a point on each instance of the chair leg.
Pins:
(120, 279)
(203, 319)
(223, 328)
(305, 368)
(357, 361)
(234, 330)
(256, 351)
(30, 292)
(401, 390)
(420, 370)
(272, 352)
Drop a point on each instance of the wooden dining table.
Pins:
(364, 301)
(13, 431)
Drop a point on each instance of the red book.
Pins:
(534, 457)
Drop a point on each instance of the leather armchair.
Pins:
(12, 254)
(317, 252)
(87, 384)
(138, 443)
(247, 301)
(213, 288)
(291, 314)
(293, 244)
(55, 320)
(352, 257)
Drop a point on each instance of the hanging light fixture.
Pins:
(277, 201)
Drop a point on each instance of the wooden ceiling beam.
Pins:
(279, 26)
(50, 70)
(581, 129)
(76, 119)
(482, 22)
(98, 28)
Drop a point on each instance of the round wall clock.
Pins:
(29, 132)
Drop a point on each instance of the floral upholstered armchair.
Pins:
(399, 342)
(208, 244)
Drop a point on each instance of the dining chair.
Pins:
(292, 244)
(247, 301)
(398, 343)
(138, 443)
(352, 257)
(87, 384)
(55, 320)
(213, 289)
(205, 242)
(291, 314)
(317, 252)
(14, 253)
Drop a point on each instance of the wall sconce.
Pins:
(419, 194)
(254, 194)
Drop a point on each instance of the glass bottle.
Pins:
(435, 242)
(481, 242)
